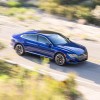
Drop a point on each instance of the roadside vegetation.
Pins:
(73, 9)
(12, 3)
(17, 83)
(21, 13)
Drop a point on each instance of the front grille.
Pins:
(82, 57)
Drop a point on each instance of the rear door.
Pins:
(30, 43)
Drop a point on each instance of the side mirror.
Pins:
(49, 45)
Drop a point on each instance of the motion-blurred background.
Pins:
(88, 10)
(77, 19)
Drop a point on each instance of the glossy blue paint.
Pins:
(50, 50)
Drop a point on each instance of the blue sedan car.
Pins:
(51, 45)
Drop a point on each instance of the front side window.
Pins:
(31, 37)
(43, 40)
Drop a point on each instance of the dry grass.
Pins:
(17, 83)
(2, 46)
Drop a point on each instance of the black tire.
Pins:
(60, 59)
(19, 49)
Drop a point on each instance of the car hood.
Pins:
(76, 49)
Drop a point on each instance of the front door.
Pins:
(44, 48)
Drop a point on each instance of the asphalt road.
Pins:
(88, 72)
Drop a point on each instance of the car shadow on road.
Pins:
(87, 70)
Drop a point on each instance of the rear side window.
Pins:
(43, 40)
(31, 37)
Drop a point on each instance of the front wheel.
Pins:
(19, 49)
(60, 59)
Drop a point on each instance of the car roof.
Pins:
(42, 32)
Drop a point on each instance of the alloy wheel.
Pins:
(60, 59)
(19, 49)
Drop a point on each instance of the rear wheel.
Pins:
(19, 49)
(60, 59)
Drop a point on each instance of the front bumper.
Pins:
(77, 60)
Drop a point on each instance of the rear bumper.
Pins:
(12, 44)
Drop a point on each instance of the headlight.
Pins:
(72, 55)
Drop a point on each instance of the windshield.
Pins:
(58, 40)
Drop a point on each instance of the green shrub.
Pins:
(12, 11)
(61, 10)
(21, 10)
(19, 13)
(81, 12)
(70, 12)
(91, 19)
(12, 3)
(64, 2)
(96, 2)
(49, 7)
